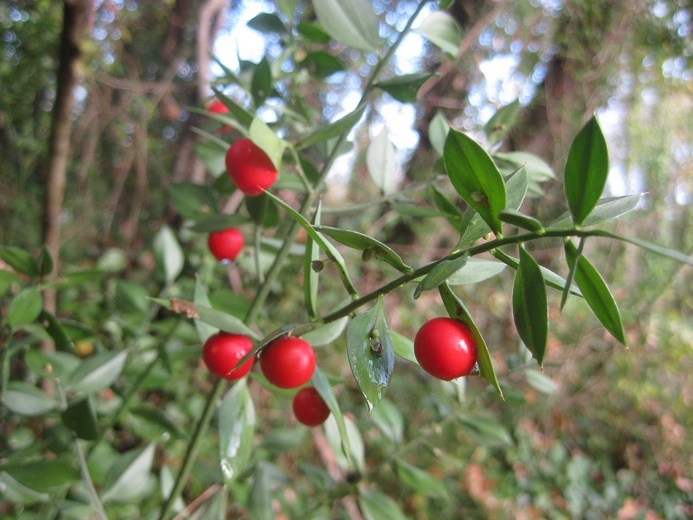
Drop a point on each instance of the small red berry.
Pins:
(222, 352)
(225, 245)
(446, 348)
(217, 107)
(250, 168)
(309, 407)
(288, 362)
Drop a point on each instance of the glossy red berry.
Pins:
(309, 408)
(288, 362)
(223, 351)
(446, 348)
(225, 245)
(217, 107)
(250, 168)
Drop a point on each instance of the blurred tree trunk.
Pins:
(77, 22)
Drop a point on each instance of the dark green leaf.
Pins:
(485, 431)
(322, 385)
(128, 476)
(596, 293)
(515, 218)
(267, 23)
(56, 331)
(586, 171)
(17, 493)
(550, 278)
(212, 223)
(261, 83)
(20, 260)
(193, 201)
(361, 242)
(45, 262)
(155, 422)
(131, 297)
(327, 132)
(236, 431)
(352, 23)
(420, 481)
(497, 127)
(312, 32)
(530, 306)
(45, 475)
(262, 211)
(80, 417)
(456, 309)
(371, 353)
(25, 307)
(376, 505)
(440, 273)
(244, 117)
(321, 64)
(606, 209)
(7, 280)
(97, 372)
(404, 88)
(201, 297)
(475, 177)
(25, 399)
(451, 212)
(310, 276)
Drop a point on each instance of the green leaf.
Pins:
(25, 307)
(322, 385)
(131, 297)
(371, 353)
(151, 422)
(362, 242)
(312, 32)
(265, 479)
(596, 293)
(168, 253)
(515, 218)
(404, 347)
(497, 127)
(7, 280)
(17, 493)
(326, 334)
(56, 331)
(310, 276)
(45, 475)
(213, 155)
(655, 248)
(441, 29)
(261, 83)
(606, 209)
(440, 273)
(475, 177)
(45, 262)
(476, 270)
(381, 160)
(352, 23)
(389, 420)
(420, 481)
(438, 130)
(537, 169)
(97, 372)
(485, 431)
(267, 23)
(262, 211)
(212, 223)
(375, 505)
(193, 201)
(263, 136)
(321, 64)
(244, 117)
(128, 476)
(550, 278)
(586, 171)
(327, 132)
(224, 321)
(200, 297)
(236, 431)
(530, 306)
(80, 417)
(51, 364)
(25, 399)
(356, 460)
(328, 248)
(540, 382)
(456, 309)
(451, 212)
(20, 260)
(404, 88)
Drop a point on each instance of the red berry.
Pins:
(225, 245)
(222, 352)
(217, 107)
(445, 348)
(309, 408)
(250, 168)
(288, 362)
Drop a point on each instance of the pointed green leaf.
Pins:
(236, 430)
(322, 385)
(352, 23)
(596, 293)
(440, 273)
(25, 399)
(25, 307)
(45, 262)
(420, 481)
(20, 260)
(456, 309)
(310, 276)
(357, 460)
(404, 347)
(261, 209)
(168, 253)
(389, 420)
(321, 64)
(451, 212)
(476, 270)
(438, 131)
(362, 242)
(193, 201)
(371, 353)
(540, 382)
(80, 417)
(56, 331)
(45, 475)
(530, 306)
(200, 297)
(267, 23)
(376, 505)
(326, 334)
(312, 32)
(212, 223)
(655, 248)
(606, 209)
(485, 431)
(327, 132)
(97, 372)
(264, 137)
(381, 160)
(261, 83)
(515, 218)
(441, 29)
(212, 152)
(497, 127)
(241, 115)
(128, 476)
(224, 321)
(404, 88)
(586, 171)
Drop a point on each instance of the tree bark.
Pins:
(77, 21)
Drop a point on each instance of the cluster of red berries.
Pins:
(444, 347)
